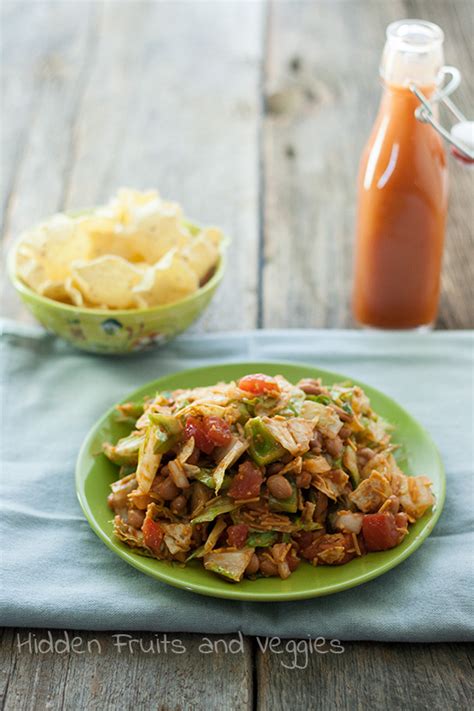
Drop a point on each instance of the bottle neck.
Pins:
(413, 54)
(401, 101)
(403, 92)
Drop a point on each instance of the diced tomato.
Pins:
(304, 539)
(259, 384)
(195, 428)
(153, 533)
(323, 543)
(237, 535)
(349, 547)
(218, 430)
(247, 482)
(380, 531)
(310, 544)
(208, 432)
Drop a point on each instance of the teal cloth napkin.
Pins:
(56, 572)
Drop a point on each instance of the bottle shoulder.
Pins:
(401, 151)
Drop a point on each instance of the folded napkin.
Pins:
(57, 573)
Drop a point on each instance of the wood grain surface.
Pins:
(100, 95)
(253, 115)
(368, 676)
(106, 672)
(321, 96)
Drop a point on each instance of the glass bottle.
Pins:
(402, 191)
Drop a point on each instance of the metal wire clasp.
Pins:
(425, 113)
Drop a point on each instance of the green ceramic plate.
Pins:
(94, 474)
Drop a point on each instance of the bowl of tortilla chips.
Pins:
(123, 277)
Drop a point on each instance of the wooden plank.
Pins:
(321, 84)
(149, 95)
(46, 46)
(457, 298)
(366, 675)
(118, 99)
(104, 673)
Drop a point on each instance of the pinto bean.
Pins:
(342, 414)
(268, 567)
(279, 487)
(253, 566)
(316, 443)
(312, 550)
(178, 505)
(167, 489)
(303, 480)
(364, 455)
(345, 432)
(334, 446)
(156, 483)
(292, 560)
(118, 499)
(312, 389)
(274, 468)
(135, 518)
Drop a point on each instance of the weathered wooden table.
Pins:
(253, 116)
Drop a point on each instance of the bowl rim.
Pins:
(25, 290)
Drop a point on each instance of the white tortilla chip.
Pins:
(108, 281)
(30, 270)
(137, 250)
(171, 279)
(57, 244)
(201, 255)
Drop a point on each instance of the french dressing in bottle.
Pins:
(402, 192)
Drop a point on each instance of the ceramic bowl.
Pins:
(117, 331)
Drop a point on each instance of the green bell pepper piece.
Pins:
(323, 399)
(126, 470)
(261, 539)
(245, 412)
(197, 553)
(126, 449)
(168, 431)
(306, 525)
(264, 448)
(169, 423)
(129, 412)
(221, 505)
(205, 477)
